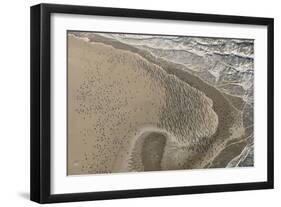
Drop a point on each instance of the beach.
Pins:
(130, 111)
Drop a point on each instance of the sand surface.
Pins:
(128, 111)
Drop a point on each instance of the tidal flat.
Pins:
(131, 109)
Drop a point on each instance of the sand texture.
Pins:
(132, 108)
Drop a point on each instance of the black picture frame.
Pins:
(40, 180)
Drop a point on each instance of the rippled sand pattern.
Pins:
(128, 111)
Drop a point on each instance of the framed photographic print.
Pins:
(133, 103)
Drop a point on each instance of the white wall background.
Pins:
(14, 104)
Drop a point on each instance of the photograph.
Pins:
(129, 103)
(156, 102)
